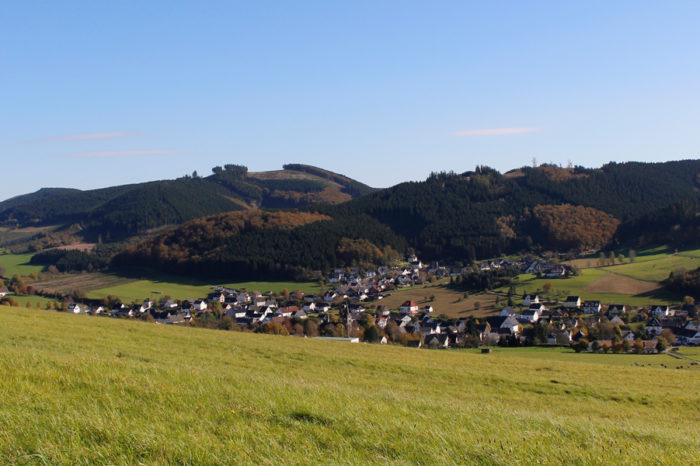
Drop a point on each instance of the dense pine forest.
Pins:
(454, 217)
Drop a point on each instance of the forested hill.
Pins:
(484, 213)
(453, 217)
(122, 211)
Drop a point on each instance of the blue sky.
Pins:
(101, 93)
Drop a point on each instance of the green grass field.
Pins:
(610, 359)
(18, 264)
(79, 389)
(576, 285)
(139, 289)
(656, 270)
(633, 283)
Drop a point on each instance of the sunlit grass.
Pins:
(80, 389)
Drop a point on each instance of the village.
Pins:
(351, 310)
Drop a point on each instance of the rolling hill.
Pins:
(118, 212)
(462, 217)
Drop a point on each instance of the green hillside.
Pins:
(451, 218)
(80, 389)
(122, 211)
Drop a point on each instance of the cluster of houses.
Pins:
(573, 315)
(569, 321)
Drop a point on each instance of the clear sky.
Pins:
(98, 93)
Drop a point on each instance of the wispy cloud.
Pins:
(495, 131)
(87, 136)
(123, 153)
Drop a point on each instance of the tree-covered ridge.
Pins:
(207, 237)
(484, 214)
(122, 211)
(37, 195)
(260, 244)
(677, 225)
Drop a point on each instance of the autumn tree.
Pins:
(310, 328)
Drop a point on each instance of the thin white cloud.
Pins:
(122, 153)
(88, 136)
(496, 131)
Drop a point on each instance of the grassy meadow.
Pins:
(18, 264)
(101, 285)
(632, 283)
(79, 389)
(139, 289)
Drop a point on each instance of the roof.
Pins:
(409, 304)
(572, 298)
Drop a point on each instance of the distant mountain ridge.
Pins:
(121, 211)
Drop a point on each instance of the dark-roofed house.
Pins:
(661, 311)
(509, 324)
(529, 316)
(686, 336)
(572, 302)
(437, 341)
(530, 299)
(654, 327)
(591, 307)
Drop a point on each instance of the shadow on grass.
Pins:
(304, 416)
(660, 294)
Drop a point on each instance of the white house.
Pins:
(74, 308)
(530, 299)
(409, 307)
(530, 316)
(661, 311)
(572, 302)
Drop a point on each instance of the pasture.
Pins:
(632, 283)
(444, 300)
(79, 389)
(18, 264)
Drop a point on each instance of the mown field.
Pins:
(632, 283)
(80, 389)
